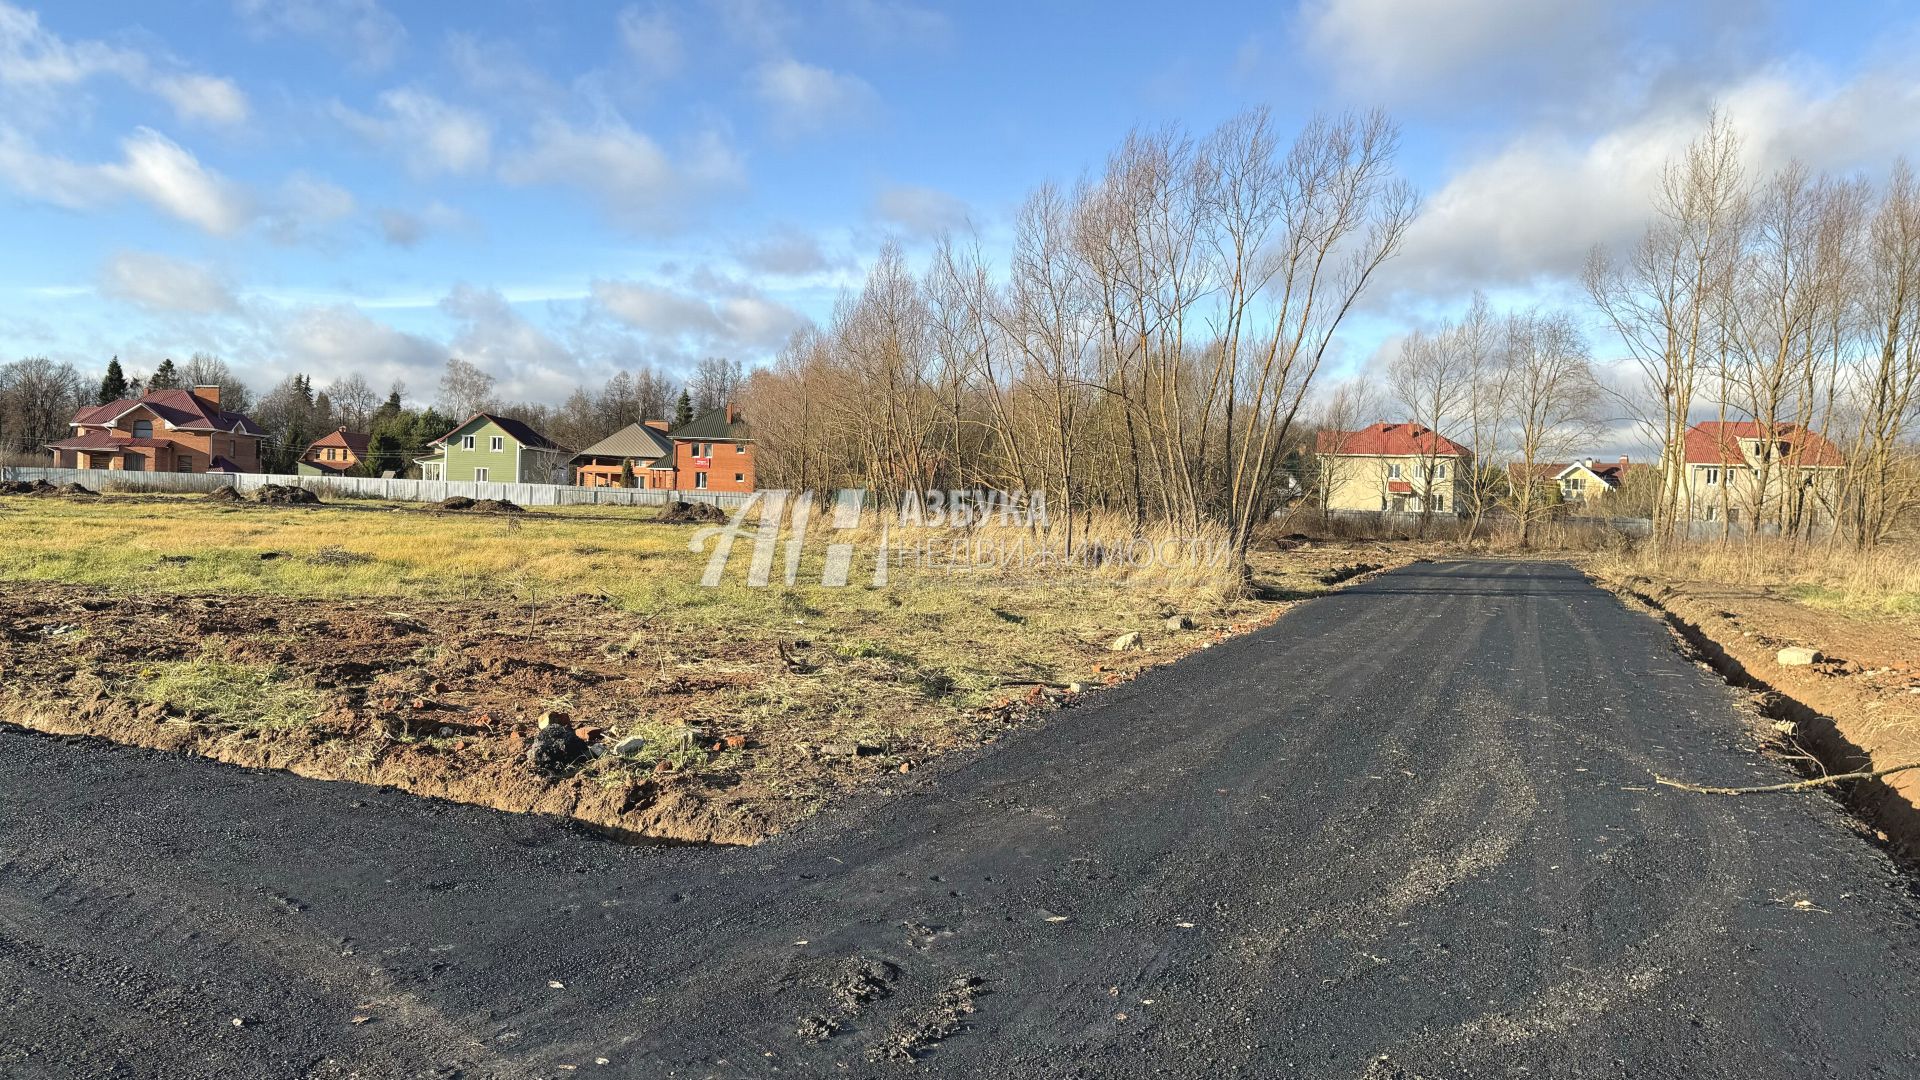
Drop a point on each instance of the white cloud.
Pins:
(1533, 209)
(1403, 50)
(636, 181)
(163, 284)
(431, 135)
(785, 251)
(203, 97)
(651, 39)
(758, 24)
(152, 168)
(923, 211)
(306, 206)
(807, 97)
(39, 69)
(361, 30)
(716, 315)
(890, 23)
(327, 340)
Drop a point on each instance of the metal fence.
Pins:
(364, 487)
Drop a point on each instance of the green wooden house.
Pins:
(498, 449)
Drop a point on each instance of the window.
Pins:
(497, 444)
(480, 474)
(1440, 503)
(1712, 512)
(466, 442)
(1393, 472)
(143, 429)
(184, 464)
(739, 478)
(699, 479)
(1713, 480)
(1440, 473)
(739, 448)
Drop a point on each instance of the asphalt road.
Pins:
(1406, 831)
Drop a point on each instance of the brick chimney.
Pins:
(208, 394)
(1623, 463)
(729, 412)
(659, 425)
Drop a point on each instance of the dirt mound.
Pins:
(225, 494)
(287, 495)
(479, 506)
(25, 487)
(693, 513)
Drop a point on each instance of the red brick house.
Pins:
(161, 431)
(334, 453)
(640, 447)
(713, 452)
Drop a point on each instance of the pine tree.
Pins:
(683, 411)
(114, 386)
(165, 377)
(626, 473)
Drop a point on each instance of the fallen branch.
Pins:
(1797, 785)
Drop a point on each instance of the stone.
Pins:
(630, 747)
(1076, 688)
(1179, 622)
(1128, 640)
(554, 716)
(1795, 656)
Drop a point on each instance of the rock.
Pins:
(588, 732)
(734, 742)
(1795, 656)
(848, 748)
(551, 717)
(553, 749)
(1179, 622)
(1128, 640)
(1076, 688)
(630, 746)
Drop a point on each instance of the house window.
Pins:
(1440, 503)
(1713, 512)
(1440, 473)
(739, 448)
(1393, 472)
(739, 478)
(1713, 480)
(143, 429)
(699, 479)
(480, 474)
(497, 444)
(466, 442)
(185, 464)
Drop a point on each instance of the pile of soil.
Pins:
(225, 494)
(479, 506)
(284, 496)
(693, 513)
(42, 487)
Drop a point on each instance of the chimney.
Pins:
(659, 425)
(208, 394)
(729, 412)
(1623, 463)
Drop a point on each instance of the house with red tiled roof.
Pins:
(1748, 471)
(1386, 466)
(161, 431)
(334, 453)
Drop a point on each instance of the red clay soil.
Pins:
(1857, 709)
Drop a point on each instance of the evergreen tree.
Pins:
(165, 377)
(683, 410)
(626, 473)
(114, 386)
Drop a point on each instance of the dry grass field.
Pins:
(400, 645)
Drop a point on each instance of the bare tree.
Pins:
(1886, 389)
(37, 400)
(1550, 397)
(1433, 377)
(353, 400)
(465, 389)
(206, 369)
(1663, 302)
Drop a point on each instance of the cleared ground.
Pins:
(1407, 830)
(395, 645)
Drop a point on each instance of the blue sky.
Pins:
(558, 189)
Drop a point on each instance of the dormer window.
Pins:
(143, 429)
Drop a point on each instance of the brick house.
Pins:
(1398, 467)
(161, 431)
(644, 447)
(334, 453)
(713, 452)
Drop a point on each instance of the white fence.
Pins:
(363, 487)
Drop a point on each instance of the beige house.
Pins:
(1577, 481)
(1747, 472)
(1404, 468)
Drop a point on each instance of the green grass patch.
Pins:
(228, 693)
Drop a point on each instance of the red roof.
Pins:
(1804, 446)
(100, 440)
(1390, 440)
(181, 408)
(356, 441)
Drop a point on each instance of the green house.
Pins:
(498, 449)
